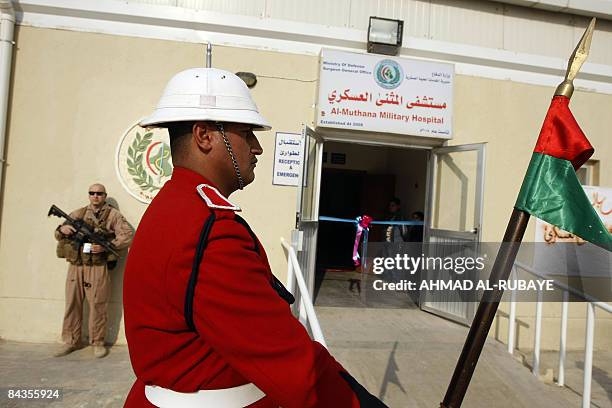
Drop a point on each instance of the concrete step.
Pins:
(407, 357)
(601, 380)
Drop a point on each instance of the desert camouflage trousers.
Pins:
(91, 282)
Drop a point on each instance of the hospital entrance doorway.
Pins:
(381, 182)
(393, 185)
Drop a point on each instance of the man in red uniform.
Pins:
(207, 323)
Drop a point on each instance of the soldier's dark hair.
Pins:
(179, 132)
(395, 201)
(419, 215)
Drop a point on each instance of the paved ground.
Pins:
(83, 380)
(601, 383)
(407, 356)
(398, 352)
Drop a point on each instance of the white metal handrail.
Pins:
(589, 336)
(307, 312)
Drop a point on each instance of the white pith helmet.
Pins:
(206, 94)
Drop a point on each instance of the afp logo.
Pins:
(388, 74)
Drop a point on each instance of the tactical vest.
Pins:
(73, 252)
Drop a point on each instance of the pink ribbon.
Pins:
(363, 223)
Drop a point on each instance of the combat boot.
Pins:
(65, 349)
(100, 351)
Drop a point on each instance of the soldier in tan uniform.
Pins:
(88, 276)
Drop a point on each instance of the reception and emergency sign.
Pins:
(381, 94)
(288, 158)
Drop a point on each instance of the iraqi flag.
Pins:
(551, 191)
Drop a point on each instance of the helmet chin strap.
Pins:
(228, 146)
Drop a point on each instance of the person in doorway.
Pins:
(207, 323)
(88, 276)
(395, 233)
(415, 249)
(415, 232)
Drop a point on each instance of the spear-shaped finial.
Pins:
(566, 88)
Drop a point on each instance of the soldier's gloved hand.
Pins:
(67, 229)
(366, 400)
(96, 249)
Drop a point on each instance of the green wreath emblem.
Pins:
(134, 162)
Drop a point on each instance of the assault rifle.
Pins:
(84, 233)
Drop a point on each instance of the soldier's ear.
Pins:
(201, 133)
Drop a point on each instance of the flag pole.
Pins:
(505, 259)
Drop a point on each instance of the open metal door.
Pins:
(307, 213)
(453, 223)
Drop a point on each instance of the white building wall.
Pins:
(489, 24)
(482, 38)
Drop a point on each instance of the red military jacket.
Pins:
(244, 331)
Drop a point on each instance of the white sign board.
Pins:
(288, 158)
(383, 94)
(601, 200)
(581, 259)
